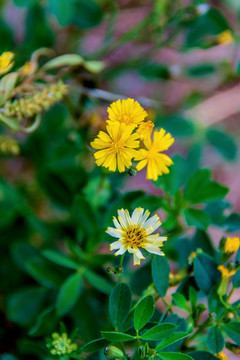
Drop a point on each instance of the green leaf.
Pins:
(117, 336)
(215, 340)
(193, 297)
(143, 312)
(158, 332)
(200, 188)
(97, 281)
(214, 303)
(68, 293)
(60, 259)
(180, 301)
(205, 272)
(200, 70)
(25, 2)
(43, 272)
(174, 356)
(120, 302)
(155, 71)
(87, 14)
(171, 340)
(232, 222)
(94, 345)
(202, 355)
(236, 279)
(223, 143)
(232, 329)
(24, 305)
(45, 323)
(198, 218)
(63, 60)
(160, 274)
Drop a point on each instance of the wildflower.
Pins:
(225, 37)
(231, 245)
(126, 111)
(157, 163)
(61, 344)
(6, 62)
(135, 232)
(116, 147)
(226, 274)
(8, 145)
(222, 356)
(145, 129)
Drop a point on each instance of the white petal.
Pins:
(114, 232)
(144, 217)
(115, 245)
(128, 218)
(122, 218)
(121, 251)
(136, 260)
(139, 254)
(116, 223)
(153, 220)
(137, 215)
(153, 249)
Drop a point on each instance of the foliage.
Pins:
(64, 294)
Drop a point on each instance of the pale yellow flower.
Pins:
(226, 274)
(231, 245)
(221, 356)
(27, 69)
(135, 232)
(225, 37)
(145, 129)
(126, 111)
(6, 62)
(152, 157)
(117, 147)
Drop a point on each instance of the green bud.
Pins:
(112, 352)
(132, 171)
(119, 269)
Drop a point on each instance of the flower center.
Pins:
(134, 236)
(126, 118)
(118, 145)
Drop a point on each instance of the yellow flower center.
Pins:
(126, 118)
(118, 145)
(134, 236)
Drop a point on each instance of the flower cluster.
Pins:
(135, 232)
(61, 344)
(128, 138)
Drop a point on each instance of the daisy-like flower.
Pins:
(231, 245)
(157, 163)
(135, 232)
(225, 37)
(222, 356)
(117, 147)
(6, 62)
(126, 111)
(145, 129)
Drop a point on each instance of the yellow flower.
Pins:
(145, 129)
(231, 245)
(117, 147)
(222, 356)
(126, 111)
(61, 344)
(157, 163)
(135, 232)
(6, 62)
(226, 274)
(225, 37)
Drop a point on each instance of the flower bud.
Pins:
(112, 352)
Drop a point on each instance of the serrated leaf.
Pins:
(119, 304)
(158, 332)
(143, 312)
(160, 274)
(180, 301)
(215, 340)
(171, 340)
(117, 336)
(69, 293)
